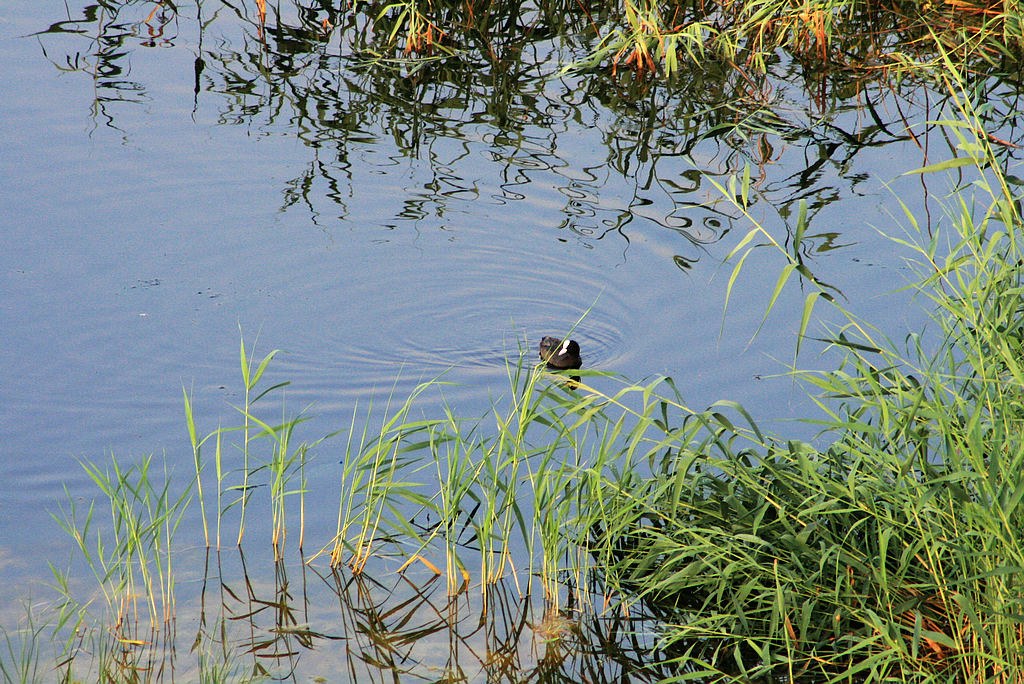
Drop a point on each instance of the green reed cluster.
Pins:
(282, 464)
(894, 552)
(131, 559)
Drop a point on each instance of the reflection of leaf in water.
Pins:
(827, 242)
(334, 79)
(683, 263)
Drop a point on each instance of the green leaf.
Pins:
(954, 163)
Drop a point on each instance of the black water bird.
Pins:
(560, 355)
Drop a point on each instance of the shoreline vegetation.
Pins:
(669, 38)
(889, 549)
(730, 45)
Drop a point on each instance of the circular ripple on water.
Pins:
(461, 310)
(488, 304)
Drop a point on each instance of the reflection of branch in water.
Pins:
(106, 56)
(329, 76)
(300, 190)
(277, 623)
(397, 626)
(385, 626)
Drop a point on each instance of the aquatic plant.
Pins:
(892, 552)
(131, 559)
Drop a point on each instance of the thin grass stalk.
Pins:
(21, 662)
(456, 476)
(218, 462)
(250, 378)
(346, 490)
(167, 578)
(552, 483)
(138, 564)
(382, 455)
(500, 470)
(124, 527)
(303, 485)
(243, 497)
(279, 465)
(197, 461)
(370, 486)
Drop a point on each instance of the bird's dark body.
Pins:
(559, 354)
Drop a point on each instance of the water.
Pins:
(163, 194)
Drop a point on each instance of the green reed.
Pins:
(21, 651)
(453, 452)
(197, 445)
(488, 491)
(251, 377)
(893, 552)
(285, 462)
(502, 465)
(371, 486)
(130, 556)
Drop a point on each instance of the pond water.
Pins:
(171, 182)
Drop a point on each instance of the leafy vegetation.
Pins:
(672, 37)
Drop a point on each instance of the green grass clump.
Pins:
(892, 553)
